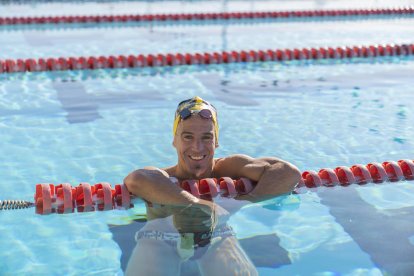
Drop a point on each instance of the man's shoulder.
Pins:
(170, 170)
(166, 171)
(230, 165)
(232, 159)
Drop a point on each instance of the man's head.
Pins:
(195, 136)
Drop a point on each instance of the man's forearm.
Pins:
(154, 186)
(275, 179)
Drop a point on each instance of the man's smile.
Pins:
(197, 157)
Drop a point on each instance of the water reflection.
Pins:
(198, 235)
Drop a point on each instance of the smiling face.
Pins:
(195, 143)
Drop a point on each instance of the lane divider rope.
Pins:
(155, 60)
(201, 16)
(64, 198)
(83, 75)
(389, 171)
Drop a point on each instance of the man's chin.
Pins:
(198, 171)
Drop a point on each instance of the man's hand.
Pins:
(203, 216)
(273, 176)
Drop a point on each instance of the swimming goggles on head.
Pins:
(204, 113)
(195, 103)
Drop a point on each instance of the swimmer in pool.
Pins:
(182, 227)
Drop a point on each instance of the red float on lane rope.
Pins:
(227, 187)
(244, 186)
(43, 198)
(191, 186)
(104, 196)
(208, 186)
(122, 196)
(407, 166)
(83, 197)
(345, 175)
(64, 199)
(393, 170)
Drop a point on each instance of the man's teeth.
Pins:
(196, 157)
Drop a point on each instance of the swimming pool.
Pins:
(99, 125)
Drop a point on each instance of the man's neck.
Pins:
(182, 174)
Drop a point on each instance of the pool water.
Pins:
(35, 41)
(97, 126)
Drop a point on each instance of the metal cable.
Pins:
(15, 204)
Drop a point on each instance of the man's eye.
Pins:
(207, 138)
(188, 137)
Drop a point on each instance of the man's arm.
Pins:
(154, 185)
(273, 176)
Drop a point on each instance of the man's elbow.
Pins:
(133, 180)
(292, 177)
(296, 176)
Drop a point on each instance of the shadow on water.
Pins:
(82, 107)
(383, 236)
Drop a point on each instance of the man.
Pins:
(196, 136)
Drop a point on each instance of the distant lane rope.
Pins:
(155, 60)
(64, 198)
(202, 16)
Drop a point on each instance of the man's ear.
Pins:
(173, 143)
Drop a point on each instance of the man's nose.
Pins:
(198, 145)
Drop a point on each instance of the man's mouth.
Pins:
(197, 157)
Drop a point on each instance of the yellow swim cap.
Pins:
(198, 106)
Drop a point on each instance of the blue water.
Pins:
(29, 42)
(99, 126)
